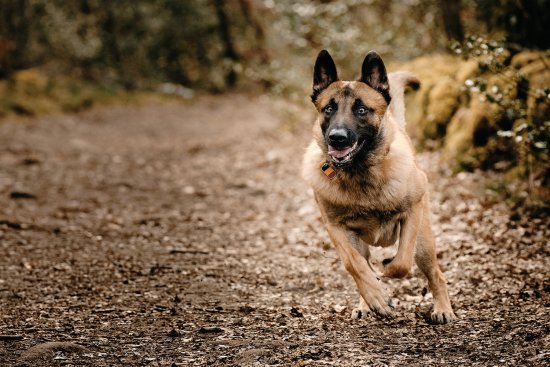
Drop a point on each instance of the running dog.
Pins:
(366, 181)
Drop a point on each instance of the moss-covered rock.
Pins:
(443, 101)
(537, 72)
(484, 117)
(449, 109)
(460, 133)
(29, 81)
(33, 92)
(437, 73)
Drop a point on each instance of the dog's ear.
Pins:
(373, 73)
(324, 73)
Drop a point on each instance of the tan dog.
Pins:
(367, 184)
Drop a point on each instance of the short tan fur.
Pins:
(381, 195)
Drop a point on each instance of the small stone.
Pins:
(295, 312)
(189, 190)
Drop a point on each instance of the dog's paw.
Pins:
(360, 313)
(379, 306)
(363, 313)
(394, 269)
(442, 316)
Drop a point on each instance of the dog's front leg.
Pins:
(373, 297)
(401, 264)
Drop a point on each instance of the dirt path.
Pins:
(182, 235)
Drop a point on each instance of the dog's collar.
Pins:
(328, 170)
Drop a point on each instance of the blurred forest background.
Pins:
(484, 64)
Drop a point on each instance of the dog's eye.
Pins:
(362, 111)
(329, 110)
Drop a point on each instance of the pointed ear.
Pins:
(324, 73)
(373, 73)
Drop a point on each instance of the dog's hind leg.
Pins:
(373, 297)
(426, 260)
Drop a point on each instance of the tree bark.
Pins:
(450, 9)
(247, 8)
(225, 34)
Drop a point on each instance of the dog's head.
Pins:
(350, 112)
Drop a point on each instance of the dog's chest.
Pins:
(375, 226)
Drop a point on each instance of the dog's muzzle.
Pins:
(342, 145)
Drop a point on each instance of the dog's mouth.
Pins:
(345, 155)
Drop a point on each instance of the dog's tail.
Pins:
(399, 81)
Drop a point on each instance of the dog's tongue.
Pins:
(338, 153)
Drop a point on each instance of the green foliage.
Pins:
(215, 44)
(525, 110)
(124, 42)
(523, 23)
(208, 44)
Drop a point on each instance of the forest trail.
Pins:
(181, 234)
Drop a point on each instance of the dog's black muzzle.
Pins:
(340, 137)
(342, 145)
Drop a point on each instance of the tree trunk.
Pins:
(16, 22)
(247, 8)
(225, 34)
(450, 9)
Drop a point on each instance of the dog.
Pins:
(367, 184)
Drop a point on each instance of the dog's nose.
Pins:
(338, 137)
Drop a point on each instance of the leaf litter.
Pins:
(145, 250)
